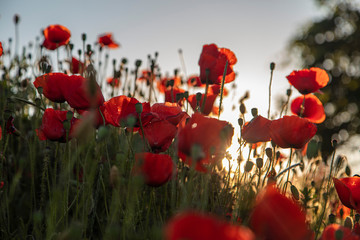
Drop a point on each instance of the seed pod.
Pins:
(294, 192)
(259, 162)
(248, 166)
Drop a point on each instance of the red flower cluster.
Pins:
(204, 139)
(193, 225)
(308, 80)
(76, 90)
(56, 36)
(106, 40)
(286, 132)
(277, 217)
(157, 169)
(213, 60)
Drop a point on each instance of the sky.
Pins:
(257, 31)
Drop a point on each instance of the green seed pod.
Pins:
(272, 66)
(332, 218)
(248, 166)
(294, 192)
(254, 112)
(259, 162)
(139, 108)
(348, 222)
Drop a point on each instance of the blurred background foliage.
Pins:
(333, 43)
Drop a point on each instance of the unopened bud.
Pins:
(254, 112)
(272, 66)
(288, 92)
(259, 162)
(138, 63)
(16, 19)
(295, 192)
(124, 61)
(269, 152)
(248, 166)
(348, 223)
(83, 37)
(139, 107)
(242, 108)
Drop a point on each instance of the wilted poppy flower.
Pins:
(291, 131)
(118, 109)
(204, 139)
(10, 127)
(170, 95)
(308, 80)
(257, 130)
(52, 127)
(82, 93)
(113, 82)
(195, 81)
(53, 86)
(77, 67)
(56, 36)
(209, 102)
(107, 41)
(313, 108)
(157, 169)
(348, 190)
(1, 49)
(277, 217)
(214, 59)
(329, 233)
(193, 225)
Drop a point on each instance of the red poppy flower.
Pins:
(208, 136)
(56, 36)
(170, 95)
(329, 233)
(348, 190)
(169, 111)
(257, 130)
(1, 49)
(215, 89)
(214, 59)
(113, 82)
(195, 81)
(77, 67)
(78, 93)
(313, 108)
(107, 41)
(209, 103)
(291, 131)
(119, 108)
(53, 86)
(193, 225)
(157, 169)
(162, 84)
(308, 80)
(277, 217)
(52, 127)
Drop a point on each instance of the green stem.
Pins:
(222, 87)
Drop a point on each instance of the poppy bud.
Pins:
(114, 176)
(332, 218)
(272, 66)
(294, 192)
(138, 63)
(186, 94)
(88, 49)
(248, 166)
(348, 223)
(139, 108)
(179, 96)
(71, 46)
(198, 97)
(357, 217)
(103, 132)
(268, 152)
(83, 37)
(79, 52)
(240, 121)
(69, 115)
(171, 83)
(334, 143)
(348, 170)
(259, 162)
(254, 112)
(29, 56)
(242, 108)
(124, 60)
(16, 19)
(288, 92)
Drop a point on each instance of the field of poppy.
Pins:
(134, 154)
